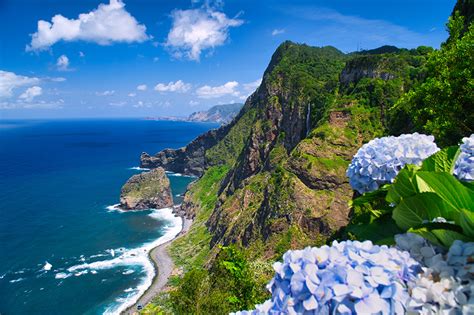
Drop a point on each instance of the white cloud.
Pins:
(10, 81)
(63, 63)
(178, 86)
(21, 104)
(278, 31)
(227, 89)
(30, 93)
(142, 87)
(55, 79)
(105, 25)
(118, 104)
(198, 29)
(81, 54)
(251, 86)
(132, 94)
(193, 103)
(155, 59)
(105, 93)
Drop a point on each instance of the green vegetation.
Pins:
(442, 105)
(192, 249)
(297, 193)
(415, 201)
(228, 149)
(228, 285)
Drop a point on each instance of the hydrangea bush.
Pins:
(464, 167)
(353, 277)
(348, 277)
(379, 161)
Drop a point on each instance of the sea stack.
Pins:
(148, 190)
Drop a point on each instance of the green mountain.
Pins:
(274, 178)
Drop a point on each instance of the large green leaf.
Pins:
(439, 236)
(415, 210)
(368, 197)
(466, 221)
(403, 186)
(441, 161)
(447, 237)
(447, 187)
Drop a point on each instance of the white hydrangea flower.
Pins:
(379, 161)
(464, 166)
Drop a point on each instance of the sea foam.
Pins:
(135, 256)
(137, 168)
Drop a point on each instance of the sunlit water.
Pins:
(63, 249)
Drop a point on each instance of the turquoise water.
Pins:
(63, 251)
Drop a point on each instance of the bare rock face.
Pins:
(149, 190)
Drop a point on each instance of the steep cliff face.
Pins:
(274, 178)
(189, 160)
(315, 108)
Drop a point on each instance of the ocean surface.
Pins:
(64, 248)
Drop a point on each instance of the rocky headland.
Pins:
(148, 190)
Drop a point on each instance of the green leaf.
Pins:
(380, 231)
(447, 237)
(414, 210)
(369, 197)
(442, 237)
(447, 187)
(441, 161)
(466, 221)
(426, 234)
(403, 186)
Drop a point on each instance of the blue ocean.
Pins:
(64, 248)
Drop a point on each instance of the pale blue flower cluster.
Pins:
(379, 161)
(464, 167)
(446, 284)
(349, 277)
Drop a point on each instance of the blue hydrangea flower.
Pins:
(350, 277)
(379, 161)
(464, 166)
(446, 284)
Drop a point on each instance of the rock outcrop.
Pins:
(189, 160)
(148, 190)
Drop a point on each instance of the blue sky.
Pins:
(136, 58)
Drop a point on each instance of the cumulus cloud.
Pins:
(10, 81)
(105, 25)
(118, 104)
(142, 87)
(196, 30)
(178, 86)
(251, 86)
(63, 63)
(278, 31)
(30, 93)
(193, 103)
(132, 94)
(105, 93)
(227, 89)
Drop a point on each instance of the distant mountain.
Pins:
(222, 114)
(218, 113)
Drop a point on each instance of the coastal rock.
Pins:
(148, 190)
(189, 160)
